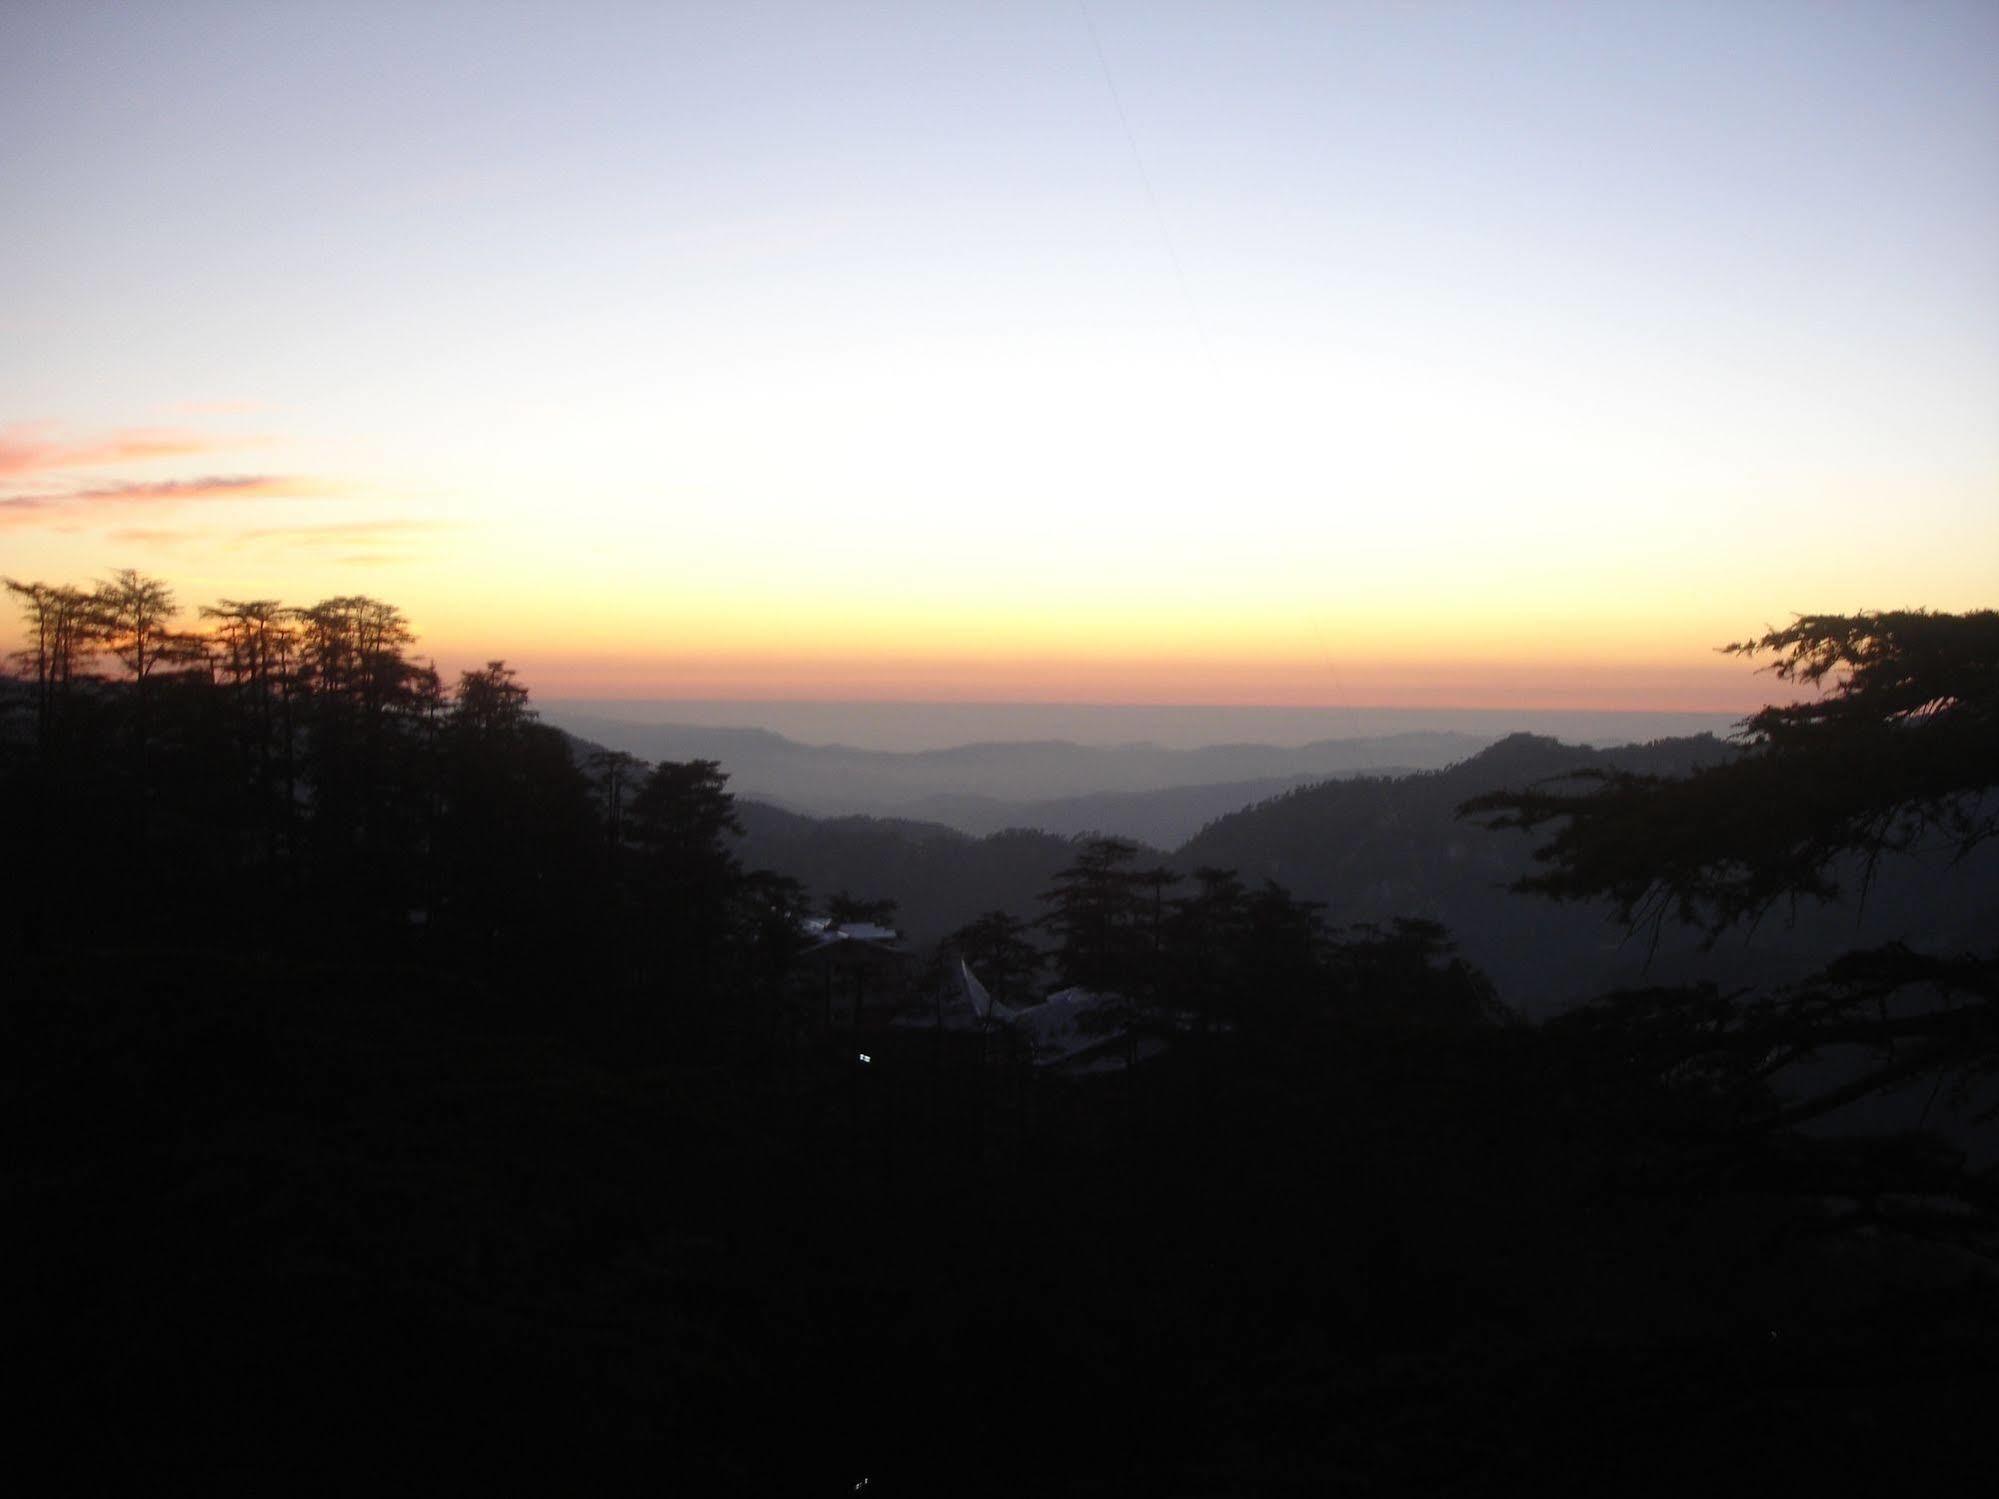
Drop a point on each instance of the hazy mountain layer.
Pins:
(838, 779)
(1164, 819)
(907, 727)
(1376, 848)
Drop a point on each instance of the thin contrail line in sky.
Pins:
(1151, 196)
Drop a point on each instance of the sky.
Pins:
(1499, 355)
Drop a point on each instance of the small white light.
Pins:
(866, 1058)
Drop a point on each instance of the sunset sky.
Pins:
(1502, 354)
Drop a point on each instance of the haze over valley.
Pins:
(1067, 768)
(941, 723)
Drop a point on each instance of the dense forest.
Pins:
(1371, 849)
(382, 1067)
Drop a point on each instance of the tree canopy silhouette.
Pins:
(1897, 754)
(436, 1034)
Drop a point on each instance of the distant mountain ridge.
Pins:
(1165, 818)
(908, 726)
(1374, 848)
(960, 784)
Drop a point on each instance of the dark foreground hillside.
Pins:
(391, 1097)
(273, 1219)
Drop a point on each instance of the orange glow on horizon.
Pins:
(1604, 685)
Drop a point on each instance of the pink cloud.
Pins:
(39, 448)
(54, 506)
(210, 487)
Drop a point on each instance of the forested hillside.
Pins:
(938, 877)
(386, 1073)
(1374, 849)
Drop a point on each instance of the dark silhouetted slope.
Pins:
(938, 877)
(1375, 849)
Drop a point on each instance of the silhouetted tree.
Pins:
(680, 823)
(369, 712)
(63, 635)
(612, 773)
(1095, 914)
(1151, 912)
(134, 615)
(1410, 977)
(1901, 751)
(490, 705)
(517, 832)
(355, 652)
(998, 947)
(132, 618)
(254, 645)
(767, 913)
(1280, 974)
(1897, 754)
(1204, 939)
(681, 819)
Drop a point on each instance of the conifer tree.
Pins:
(1896, 755)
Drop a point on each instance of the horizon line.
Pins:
(1224, 707)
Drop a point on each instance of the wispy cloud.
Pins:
(360, 543)
(151, 536)
(40, 447)
(51, 476)
(208, 487)
(342, 533)
(384, 540)
(79, 502)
